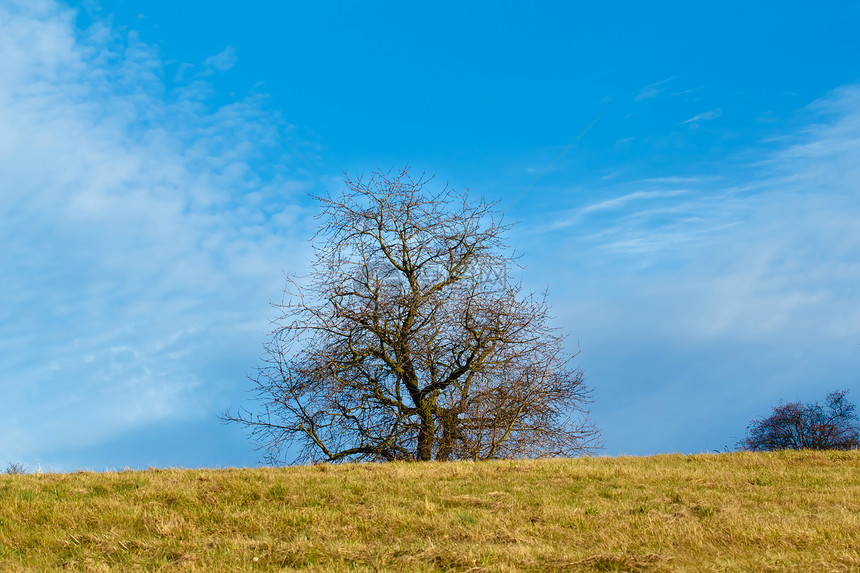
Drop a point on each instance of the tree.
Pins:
(797, 426)
(407, 340)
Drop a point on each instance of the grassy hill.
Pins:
(729, 512)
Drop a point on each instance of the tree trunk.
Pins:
(449, 436)
(426, 432)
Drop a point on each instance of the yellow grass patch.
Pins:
(784, 511)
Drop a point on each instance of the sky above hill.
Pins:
(685, 177)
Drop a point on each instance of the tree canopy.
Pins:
(408, 340)
(798, 426)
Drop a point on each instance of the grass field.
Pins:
(725, 512)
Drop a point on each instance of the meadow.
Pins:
(782, 511)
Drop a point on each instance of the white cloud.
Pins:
(618, 202)
(141, 243)
(705, 116)
(579, 215)
(222, 61)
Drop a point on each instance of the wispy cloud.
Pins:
(141, 242)
(738, 292)
(222, 61)
(705, 116)
(578, 215)
(687, 91)
(651, 91)
(619, 202)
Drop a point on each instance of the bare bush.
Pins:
(797, 426)
(15, 468)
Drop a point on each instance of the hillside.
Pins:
(725, 512)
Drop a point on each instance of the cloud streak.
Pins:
(651, 91)
(705, 116)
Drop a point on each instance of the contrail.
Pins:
(554, 161)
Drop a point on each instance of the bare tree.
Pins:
(407, 341)
(797, 426)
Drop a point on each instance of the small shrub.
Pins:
(16, 469)
(797, 426)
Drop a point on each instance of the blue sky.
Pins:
(686, 179)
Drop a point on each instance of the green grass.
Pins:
(728, 512)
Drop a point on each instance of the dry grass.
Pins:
(729, 512)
